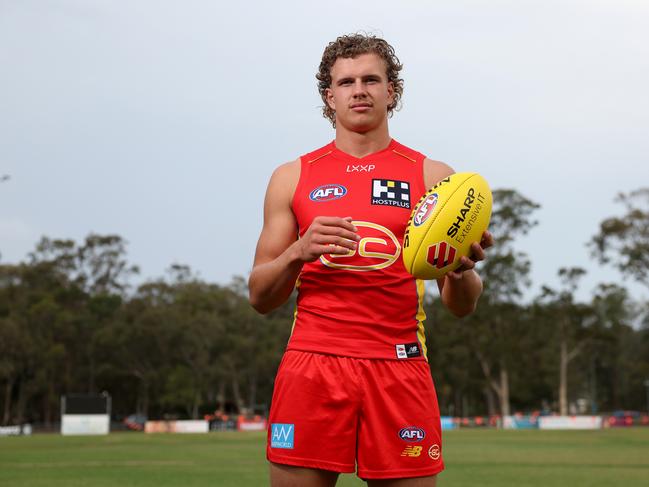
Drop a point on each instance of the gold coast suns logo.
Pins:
(378, 248)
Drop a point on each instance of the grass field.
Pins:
(614, 457)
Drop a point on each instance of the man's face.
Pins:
(360, 92)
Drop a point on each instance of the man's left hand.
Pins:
(477, 254)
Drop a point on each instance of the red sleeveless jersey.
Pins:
(363, 304)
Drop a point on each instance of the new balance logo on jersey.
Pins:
(412, 350)
(281, 435)
(391, 193)
(441, 254)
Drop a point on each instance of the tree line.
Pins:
(183, 347)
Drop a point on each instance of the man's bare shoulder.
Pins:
(284, 180)
(288, 170)
(435, 171)
(288, 167)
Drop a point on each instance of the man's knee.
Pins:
(289, 476)
(430, 481)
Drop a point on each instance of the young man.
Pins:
(354, 386)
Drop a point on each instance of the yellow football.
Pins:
(445, 222)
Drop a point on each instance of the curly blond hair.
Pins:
(350, 46)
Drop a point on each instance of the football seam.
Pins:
(433, 221)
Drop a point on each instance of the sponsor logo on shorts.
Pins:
(327, 192)
(391, 193)
(411, 451)
(412, 434)
(360, 168)
(425, 210)
(434, 452)
(408, 350)
(281, 435)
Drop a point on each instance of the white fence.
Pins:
(85, 424)
(570, 422)
(189, 426)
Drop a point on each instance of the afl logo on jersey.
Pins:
(327, 192)
(378, 248)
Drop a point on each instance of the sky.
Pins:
(162, 121)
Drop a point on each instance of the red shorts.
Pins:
(331, 413)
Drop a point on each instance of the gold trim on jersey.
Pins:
(297, 286)
(403, 155)
(421, 317)
(319, 157)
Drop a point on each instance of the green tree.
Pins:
(573, 324)
(494, 330)
(620, 358)
(12, 351)
(40, 304)
(96, 272)
(623, 241)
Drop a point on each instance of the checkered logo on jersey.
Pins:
(390, 192)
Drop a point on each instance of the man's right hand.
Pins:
(328, 235)
(280, 254)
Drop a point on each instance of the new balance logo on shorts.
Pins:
(411, 451)
(408, 350)
(281, 435)
(391, 193)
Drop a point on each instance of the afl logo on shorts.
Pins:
(378, 248)
(412, 434)
(327, 192)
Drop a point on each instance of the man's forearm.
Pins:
(460, 296)
(271, 283)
